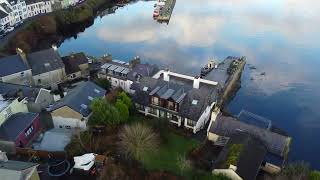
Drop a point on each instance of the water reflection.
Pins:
(278, 37)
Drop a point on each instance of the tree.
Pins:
(125, 99)
(104, 83)
(123, 110)
(138, 139)
(103, 113)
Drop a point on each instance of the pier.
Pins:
(165, 13)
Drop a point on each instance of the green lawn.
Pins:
(166, 156)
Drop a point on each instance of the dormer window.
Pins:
(155, 100)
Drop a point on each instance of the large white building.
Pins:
(36, 7)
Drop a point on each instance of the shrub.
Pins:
(123, 110)
(138, 139)
(104, 113)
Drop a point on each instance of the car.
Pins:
(9, 29)
(18, 24)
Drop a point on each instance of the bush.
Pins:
(104, 113)
(123, 110)
(125, 99)
(314, 175)
(137, 140)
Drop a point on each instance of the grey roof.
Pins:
(44, 61)
(15, 124)
(3, 14)
(11, 65)
(181, 92)
(16, 169)
(142, 70)
(228, 126)
(220, 74)
(251, 156)
(9, 90)
(79, 96)
(73, 61)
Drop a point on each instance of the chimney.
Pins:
(23, 56)
(232, 167)
(54, 47)
(3, 157)
(166, 75)
(196, 82)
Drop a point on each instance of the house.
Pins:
(241, 158)
(10, 169)
(122, 74)
(20, 10)
(15, 69)
(20, 128)
(47, 67)
(76, 65)
(10, 107)
(36, 98)
(6, 7)
(222, 128)
(73, 111)
(36, 7)
(4, 19)
(184, 100)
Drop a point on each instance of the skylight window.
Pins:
(90, 98)
(83, 106)
(194, 102)
(145, 89)
(97, 91)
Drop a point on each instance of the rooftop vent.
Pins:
(83, 106)
(194, 102)
(145, 88)
(97, 91)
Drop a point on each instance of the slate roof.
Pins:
(73, 61)
(3, 14)
(79, 96)
(220, 74)
(9, 90)
(15, 169)
(11, 65)
(44, 61)
(251, 156)
(228, 126)
(15, 124)
(181, 92)
(142, 70)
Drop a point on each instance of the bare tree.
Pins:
(138, 139)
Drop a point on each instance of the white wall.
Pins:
(124, 84)
(204, 118)
(17, 78)
(73, 123)
(50, 78)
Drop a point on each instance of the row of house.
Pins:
(42, 68)
(13, 12)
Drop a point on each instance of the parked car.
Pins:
(9, 29)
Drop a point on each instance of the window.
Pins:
(60, 126)
(67, 127)
(172, 106)
(139, 107)
(8, 112)
(28, 131)
(155, 100)
(90, 98)
(97, 91)
(190, 122)
(173, 117)
(153, 111)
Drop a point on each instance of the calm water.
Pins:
(279, 37)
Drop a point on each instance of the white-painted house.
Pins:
(184, 100)
(122, 74)
(36, 7)
(73, 111)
